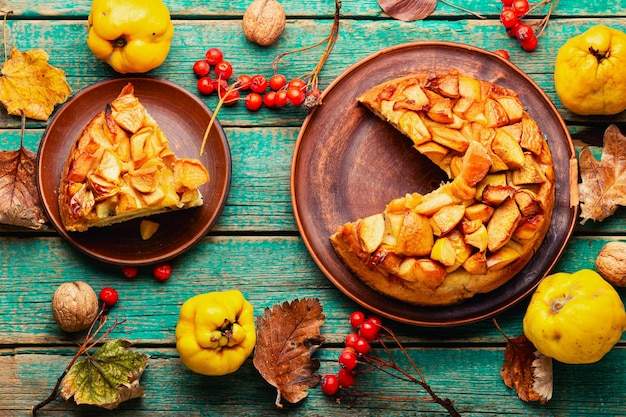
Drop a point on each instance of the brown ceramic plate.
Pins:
(349, 164)
(184, 118)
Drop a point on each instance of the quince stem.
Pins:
(559, 303)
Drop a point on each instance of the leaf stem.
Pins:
(87, 344)
(4, 32)
(23, 129)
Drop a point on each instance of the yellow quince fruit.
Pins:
(589, 72)
(132, 36)
(575, 318)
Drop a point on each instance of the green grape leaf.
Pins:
(106, 378)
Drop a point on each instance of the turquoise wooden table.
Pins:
(255, 245)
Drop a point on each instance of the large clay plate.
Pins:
(184, 119)
(349, 164)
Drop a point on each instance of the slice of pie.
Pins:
(476, 231)
(121, 167)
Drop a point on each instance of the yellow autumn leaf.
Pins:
(30, 85)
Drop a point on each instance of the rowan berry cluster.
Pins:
(512, 14)
(365, 330)
(273, 92)
(511, 17)
(359, 357)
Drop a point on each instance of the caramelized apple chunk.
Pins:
(475, 231)
(121, 167)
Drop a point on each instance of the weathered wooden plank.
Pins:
(283, 269)
(172, 390)
(366, 8)
(357, 40)
(255, 246)
(259, 199)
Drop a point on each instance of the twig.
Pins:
(233, 87)
(391, 368)
(313, 76)
(444, 402)
(544, 22)
(332, 38)
(87, 344)
(478, 15)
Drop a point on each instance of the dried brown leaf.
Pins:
(19, 200)
(527, 371)
(287, 337)
(603, 186)
(543, 377)
(31, 86)
(408, 10)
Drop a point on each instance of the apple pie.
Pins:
(121, 167)
(478, 229)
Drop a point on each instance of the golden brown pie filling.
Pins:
(478, 230)
(121, 167)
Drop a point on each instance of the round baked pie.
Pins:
(477, 230)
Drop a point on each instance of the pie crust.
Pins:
(121, 167)
(477, 230)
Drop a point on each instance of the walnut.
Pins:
(611, 263)
(74, 306)
(264, 21)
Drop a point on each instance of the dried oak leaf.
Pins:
(287, 337)
(527, 370)
(408, 10)
(108, 377)
(31, 86)
(603, 186)
(19, 200)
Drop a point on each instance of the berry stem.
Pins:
(444, 402)
(313, 76)
(332, 38)
(214, 116)
(478, 15)
(540, 6)
(390, 366)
